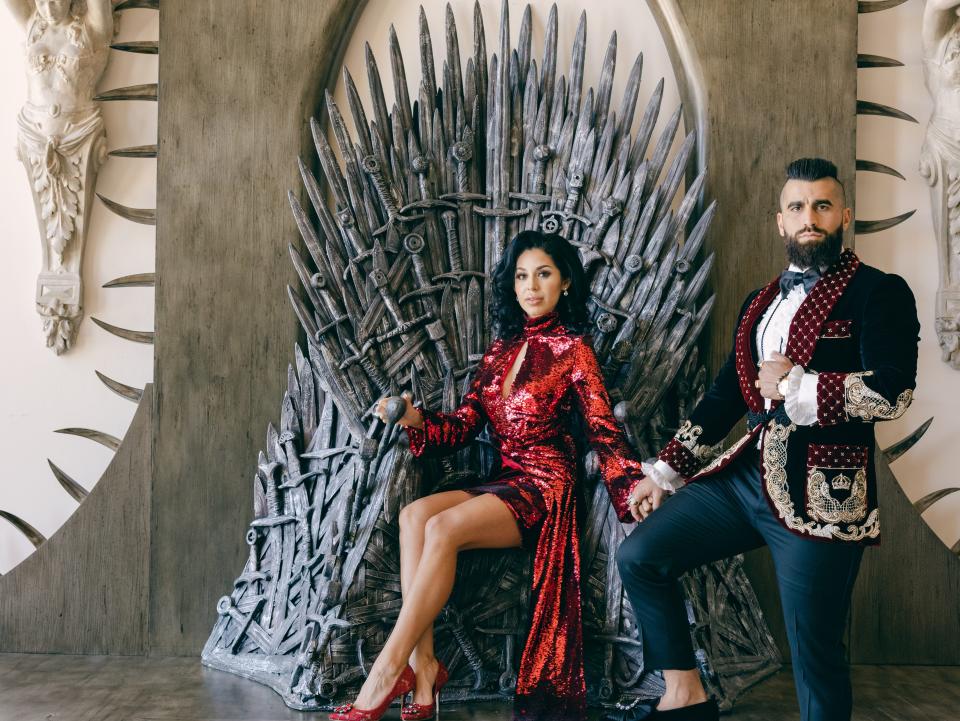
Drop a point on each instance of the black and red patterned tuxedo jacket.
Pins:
(857, 328)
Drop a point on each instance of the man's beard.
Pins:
(820, 254)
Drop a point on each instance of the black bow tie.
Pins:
(791, 278)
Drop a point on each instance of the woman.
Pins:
(525, 386)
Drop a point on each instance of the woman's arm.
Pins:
(439, 434)
(619, 465)
(21, 10)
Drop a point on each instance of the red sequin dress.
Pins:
(537, 481)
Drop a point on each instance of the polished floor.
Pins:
(102, 688)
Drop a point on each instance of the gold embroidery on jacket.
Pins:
(688, 435)
(726, 455)
(775, 478)
(861, 401)
(824, 507)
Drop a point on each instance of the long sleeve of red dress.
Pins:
(537, 482)
(444, 433)
(619, 465)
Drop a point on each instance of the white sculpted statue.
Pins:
(62, 143)
(940, 162)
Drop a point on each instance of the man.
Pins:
(820, 354)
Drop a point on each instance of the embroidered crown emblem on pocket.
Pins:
(841, 483)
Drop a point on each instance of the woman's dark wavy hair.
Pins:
(508, 316)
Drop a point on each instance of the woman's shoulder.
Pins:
(580, 340)
(573, 350)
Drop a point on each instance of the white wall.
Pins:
(909, 249)
(40, 392)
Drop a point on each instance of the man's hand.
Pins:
(645, 498)
(771, 371)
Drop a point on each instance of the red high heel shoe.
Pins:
(404, 685)
(418, 712)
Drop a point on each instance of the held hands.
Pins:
(773, 371)
(389, 410)
(645, 498)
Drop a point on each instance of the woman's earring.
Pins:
(566, 292)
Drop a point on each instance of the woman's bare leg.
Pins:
(413, 521)
(481, 522)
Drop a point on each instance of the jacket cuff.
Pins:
(679, 458)
(685, 453)
(863, 402)
(846, 396)
(663, 475)
(830, 398)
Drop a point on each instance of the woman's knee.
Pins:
(414, 516)
(441, 529)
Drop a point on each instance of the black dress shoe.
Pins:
(705, 711)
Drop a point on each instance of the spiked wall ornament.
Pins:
(77, 491)
(867, 107)
(121, 389)
(137, 336)
(137, 280)
(31, 533)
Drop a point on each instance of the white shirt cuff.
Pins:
(801, 397)
(663, 475)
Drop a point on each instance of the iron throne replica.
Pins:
(394, 296)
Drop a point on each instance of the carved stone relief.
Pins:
(940, 164)
(62, 144)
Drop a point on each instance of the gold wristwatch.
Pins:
(784, 384)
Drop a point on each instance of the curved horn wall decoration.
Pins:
(104, 439)
(32, 534)
(77, 491)
(121, 389)
(137, 336)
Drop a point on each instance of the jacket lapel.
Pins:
(746, 363)
(810, 316)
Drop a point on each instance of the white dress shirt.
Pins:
(771, 334)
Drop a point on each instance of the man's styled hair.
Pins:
(811, 169)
